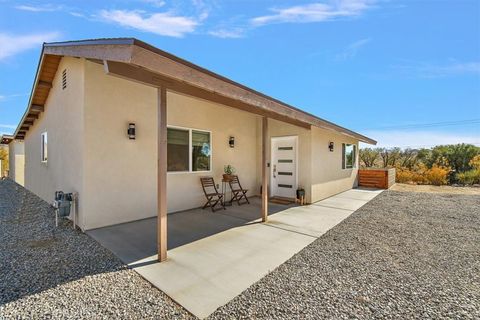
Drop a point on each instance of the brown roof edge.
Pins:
(6, 138)
(31, 92)
(139, 43)
(213, 74)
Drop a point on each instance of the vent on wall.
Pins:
(64, 79)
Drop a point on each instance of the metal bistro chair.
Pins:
(238, 193)
(213, 196)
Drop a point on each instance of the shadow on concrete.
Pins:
(137, 240)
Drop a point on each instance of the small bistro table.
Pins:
(225, 187)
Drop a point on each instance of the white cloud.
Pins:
(14, 44)
(352, 49)
(419, 139)
(77, 14)
(155, 3)
(40, 8)
(10, 96)
(315, 12)
(165, 24)
(8, 126)
(428, 70)
(225, 33)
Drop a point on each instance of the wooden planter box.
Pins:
(376, 178)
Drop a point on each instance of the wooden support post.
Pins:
(264, 169)
(162, 174)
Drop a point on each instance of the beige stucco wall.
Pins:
(16, 160)
(328, 177)
(90, 153)
(184, 189)
(63, 122)
(121, 174)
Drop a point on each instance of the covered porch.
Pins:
(213, 257)
(127, 80)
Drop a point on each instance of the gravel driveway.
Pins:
(403, 255)
(64, 274)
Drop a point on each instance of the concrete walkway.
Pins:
(213, 257)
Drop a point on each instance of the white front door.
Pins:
(284, 167)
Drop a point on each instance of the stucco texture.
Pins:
(327, 176)
(121, 174)
(116, 178)
(64, 123)
(16, 160)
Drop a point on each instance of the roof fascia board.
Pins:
(34, 86)
(113, 52)
(147, 77)
(130, 50)
(188, 73)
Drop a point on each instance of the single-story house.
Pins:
(188, 123)
(16, 158)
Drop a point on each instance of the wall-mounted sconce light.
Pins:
(131, 131)
(231, 142)
(330, 146)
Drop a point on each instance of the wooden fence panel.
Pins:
(376, 178)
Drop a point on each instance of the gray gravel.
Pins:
(64, 274)
(402, 256)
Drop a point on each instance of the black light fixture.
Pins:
(231, 142)
(131, 131)
(330, 146)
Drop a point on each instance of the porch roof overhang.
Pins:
(6, 139)
(138, 61)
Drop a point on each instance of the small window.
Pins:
(188, 150)
(200, 151)
(349, 156)
(44, 147)
(177, 150)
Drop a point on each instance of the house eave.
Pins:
(140, 54)
(6, 139)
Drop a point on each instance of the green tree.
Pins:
(368, 157)
(456, 156)
(4, 158)
(409, 158)
(390, 157)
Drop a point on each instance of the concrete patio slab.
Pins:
(359, 194)
(206, 274)
(309, 220)
(213, 257)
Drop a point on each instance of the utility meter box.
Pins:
(63, 202)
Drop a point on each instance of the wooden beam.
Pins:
(28, 122)
(24, 128)
(147, 77)
(44, 84)
(183, 71)
(36, 107)
(32, 116)
(162, 174)
(150, 58)
(264, 169)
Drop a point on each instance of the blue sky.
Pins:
(406, 73)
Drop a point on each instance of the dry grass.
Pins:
(435, 189)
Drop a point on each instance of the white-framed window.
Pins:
(188, 150)
(44, 147)
(349, 153)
